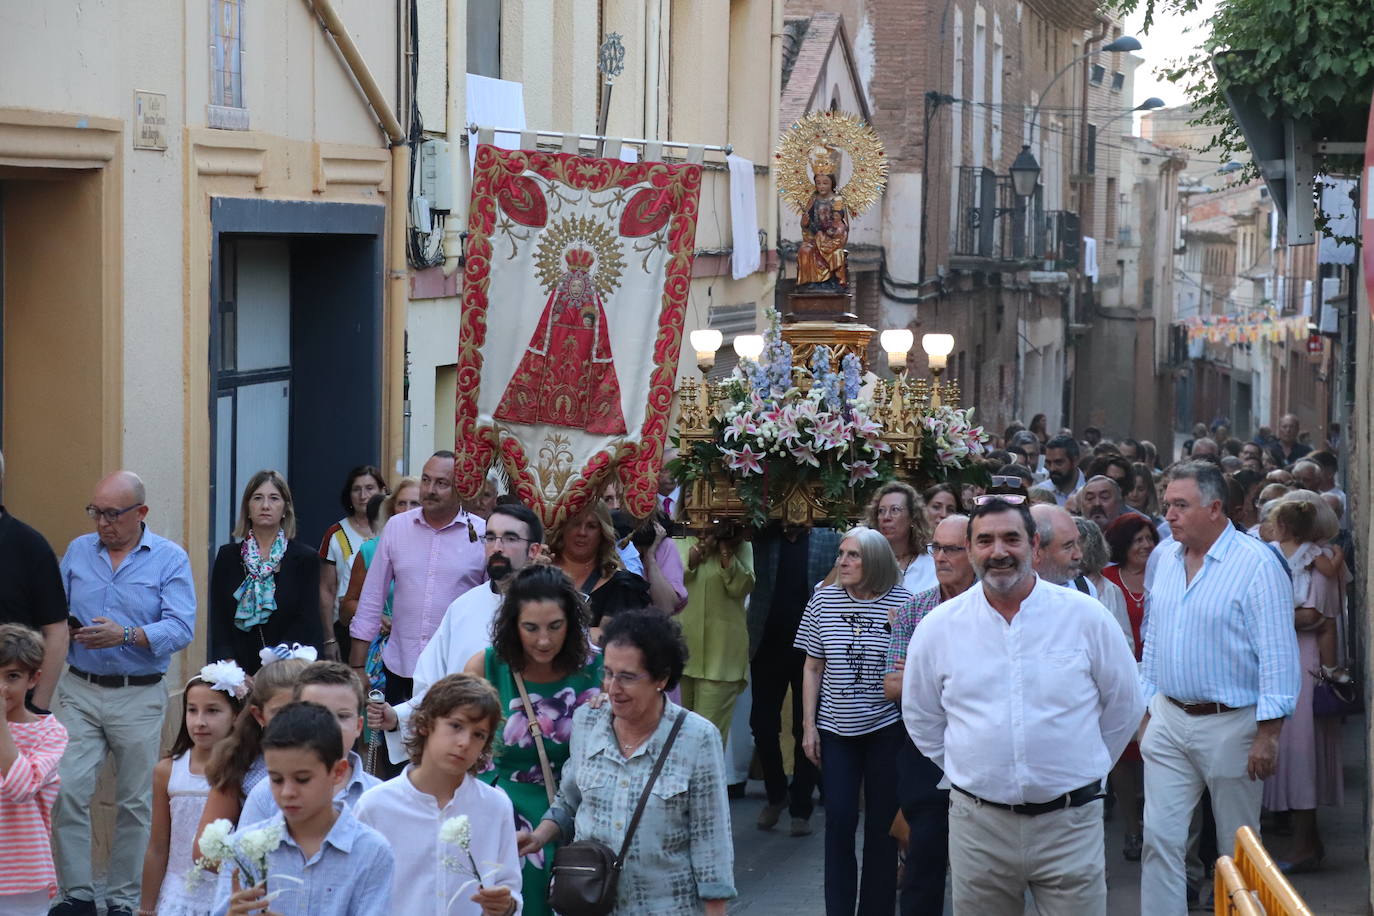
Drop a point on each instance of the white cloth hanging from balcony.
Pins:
(744, 218)
(1090, 258)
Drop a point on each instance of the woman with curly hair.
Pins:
(898, 512)
(539, 651)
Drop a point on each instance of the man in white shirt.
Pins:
(512, 540)
(1025, 694)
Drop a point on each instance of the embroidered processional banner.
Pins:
(574, 293)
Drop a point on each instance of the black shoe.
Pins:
(736, 789)
(71, 906)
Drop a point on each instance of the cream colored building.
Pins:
(203, 260)
(695, 71)
(194, 205)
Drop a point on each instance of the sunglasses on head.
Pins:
(1010, 480)
(1011, 499)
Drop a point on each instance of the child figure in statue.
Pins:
(821, 260)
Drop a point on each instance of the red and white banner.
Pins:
(574, 294)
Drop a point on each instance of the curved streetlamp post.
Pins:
(1025, 171)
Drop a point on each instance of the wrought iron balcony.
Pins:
(998, 226)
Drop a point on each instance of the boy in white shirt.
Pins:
(450, 737)
(334, 686)
(326, 864)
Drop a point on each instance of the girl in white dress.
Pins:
(209, 705)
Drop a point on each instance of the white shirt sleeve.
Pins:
(922, 706)
(259, 805)
(432, 665)
(1121, 703)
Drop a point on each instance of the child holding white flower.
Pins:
(312, 859)
(30, 748)
(236, 765)
(438, 811)
(209, 704)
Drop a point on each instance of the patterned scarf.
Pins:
(257, 596)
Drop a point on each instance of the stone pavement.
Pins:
(777, 875)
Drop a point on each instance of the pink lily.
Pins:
(805, 454)
(742, 425)
(867, 427)
(828, 432)
(746, 460)
(860, 470)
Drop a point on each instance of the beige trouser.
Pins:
(1183, 755)
(995, 856)
(126, 722)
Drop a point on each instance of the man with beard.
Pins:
(1101, 501)
(1025, 694)
(512, 540)
(925, 806)
(1057, 557)
(1061, 460)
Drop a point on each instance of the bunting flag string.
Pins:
(1246, 327)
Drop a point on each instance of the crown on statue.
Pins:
(580, 259)
(822, 160)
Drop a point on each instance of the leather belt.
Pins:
(1075, 799)
(1201, 709)
(116, 680)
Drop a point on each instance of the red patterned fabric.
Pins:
(574, 295)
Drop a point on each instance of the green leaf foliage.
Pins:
(1309, 60)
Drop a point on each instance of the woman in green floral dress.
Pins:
(540, 635)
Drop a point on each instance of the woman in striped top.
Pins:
(851, 731)
(30, 748)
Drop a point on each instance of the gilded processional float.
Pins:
(566, 379)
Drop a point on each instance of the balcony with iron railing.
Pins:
(998, 230)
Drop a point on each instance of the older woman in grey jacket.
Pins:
(681, 859)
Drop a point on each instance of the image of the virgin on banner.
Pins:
(574, 293)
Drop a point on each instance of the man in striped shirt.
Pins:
(1220, 671)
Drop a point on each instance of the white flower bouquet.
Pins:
(247, 851)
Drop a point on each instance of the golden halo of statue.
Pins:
(572, 232)
(837, 130)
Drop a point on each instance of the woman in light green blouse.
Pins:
(718, 571)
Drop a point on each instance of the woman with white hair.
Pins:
(1308, 772)
(850, 730)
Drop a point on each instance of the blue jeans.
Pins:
(926, 809)
(847, 763)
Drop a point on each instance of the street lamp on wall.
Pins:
(1025, 171)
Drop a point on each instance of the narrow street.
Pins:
(778, 875)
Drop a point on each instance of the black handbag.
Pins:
(586, 873)
(1332, 700)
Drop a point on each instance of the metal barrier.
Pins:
(1231, 896)
(1253, 880)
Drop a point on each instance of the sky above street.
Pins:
(1171, 39)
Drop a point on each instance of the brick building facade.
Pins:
(950, 85)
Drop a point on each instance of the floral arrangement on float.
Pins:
(813, 442)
